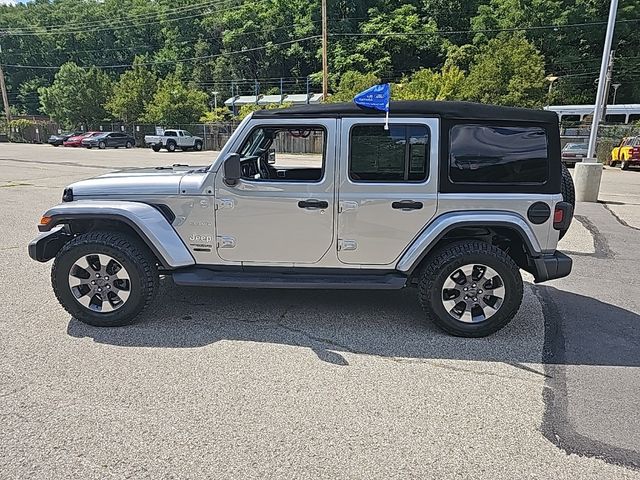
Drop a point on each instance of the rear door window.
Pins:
(399, 154)
(493, 154)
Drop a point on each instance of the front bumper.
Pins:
(46, 245)
(549, 267)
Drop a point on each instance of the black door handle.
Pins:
(313, 204)
(406, 205)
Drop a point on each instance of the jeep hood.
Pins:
(136, 181)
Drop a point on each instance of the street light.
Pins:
(551, 79)
(615, 86)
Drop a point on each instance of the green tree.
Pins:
(77, 95)
(174, 103)
(384, 50)
(131, 93)
(217, 115)
(507, 71)
(352, 82)
(428, 85)
(252, 107)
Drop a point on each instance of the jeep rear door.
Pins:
(387, 188)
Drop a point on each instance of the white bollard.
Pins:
(588, 174)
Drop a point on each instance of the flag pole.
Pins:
(386, 120)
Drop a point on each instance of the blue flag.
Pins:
(375, 97)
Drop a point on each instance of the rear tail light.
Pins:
(558, 216)
(562, 215)
(635, 152)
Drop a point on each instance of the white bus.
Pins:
(621, 113)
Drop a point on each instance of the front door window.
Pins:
(284, 154)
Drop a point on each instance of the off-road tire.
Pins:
(171, 146)
(197, 146)
(130, 253)
(444, 263)
(568, 192)
(156, 148)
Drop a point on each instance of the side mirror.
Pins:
(232, 170)
(271, 156)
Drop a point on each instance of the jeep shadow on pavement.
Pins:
(452, 199)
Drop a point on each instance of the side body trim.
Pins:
(145, 219)
(439, 227)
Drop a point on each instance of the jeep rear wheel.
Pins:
(471, 289)
(568, 192)
(104, 279)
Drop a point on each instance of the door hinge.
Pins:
(226, 203)
(347, 205)
(225, 241)
(346, 245)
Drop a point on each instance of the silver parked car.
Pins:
(453, 199)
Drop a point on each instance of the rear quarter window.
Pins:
(493, 154)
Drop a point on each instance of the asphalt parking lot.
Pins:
(222, 383)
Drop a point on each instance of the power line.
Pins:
(182, 60)
(81, 26)
(181, 42)
(488, 30)
(116, 27)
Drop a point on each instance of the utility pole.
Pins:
(588, 173)
(3, 87)
(604, 66)
(325, 41)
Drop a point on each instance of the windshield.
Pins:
(575, 146)
(252, 145)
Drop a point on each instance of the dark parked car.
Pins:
(109, 139)
(57, 140)
(573, 153)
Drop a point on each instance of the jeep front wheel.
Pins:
(471, 289)
(104, 279)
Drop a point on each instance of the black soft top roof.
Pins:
(450, 110)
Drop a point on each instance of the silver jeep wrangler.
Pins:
(452, 198)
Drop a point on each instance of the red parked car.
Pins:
(77, 140)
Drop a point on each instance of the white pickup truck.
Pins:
(172, 140)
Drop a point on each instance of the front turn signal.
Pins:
(44, 221)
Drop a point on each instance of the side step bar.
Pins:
(203, 277)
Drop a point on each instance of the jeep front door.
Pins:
(387, 189)
(282, 209)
